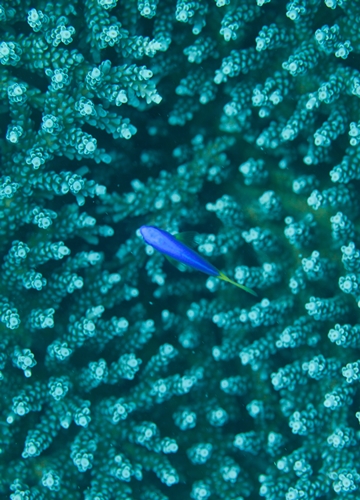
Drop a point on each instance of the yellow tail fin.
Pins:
(243, 287)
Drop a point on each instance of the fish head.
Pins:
(150, 234)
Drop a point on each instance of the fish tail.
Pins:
(223, 277)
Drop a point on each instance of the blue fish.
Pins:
(176, 250)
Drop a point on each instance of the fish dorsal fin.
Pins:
(189, 238)
(179, 265)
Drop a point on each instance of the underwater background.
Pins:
(120, 376)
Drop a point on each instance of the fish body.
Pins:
(174, 249)
(167, 244)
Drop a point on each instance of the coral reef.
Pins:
(121, 377)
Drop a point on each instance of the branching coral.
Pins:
(120, 377)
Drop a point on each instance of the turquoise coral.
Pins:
(122, 378)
